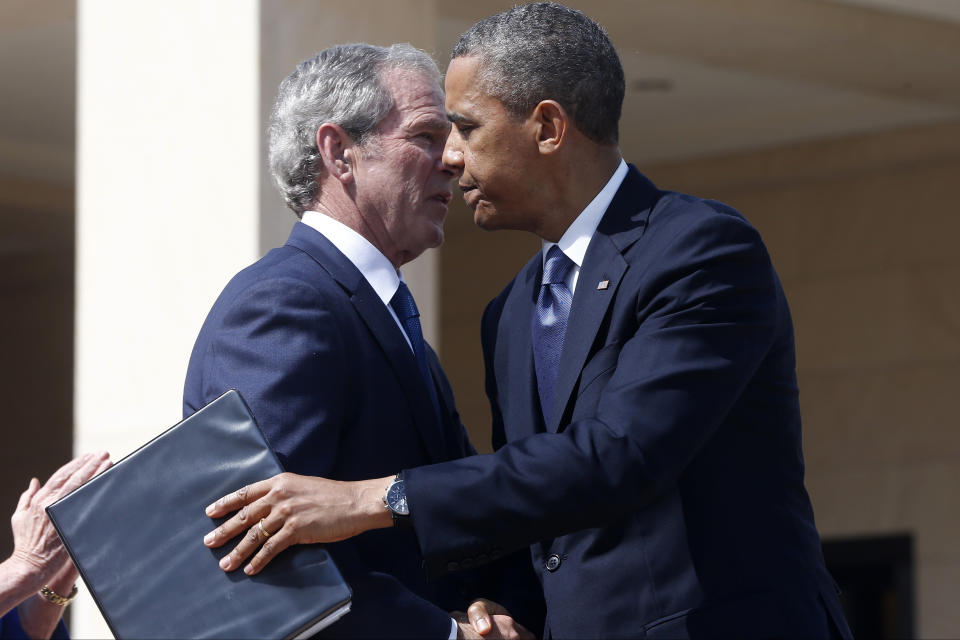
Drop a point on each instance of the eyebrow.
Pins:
(457, 118)
(431, 123)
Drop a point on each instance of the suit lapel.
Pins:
(603, 268)
(514, 355)
(602, 262)
(404, 364)
(382, 327)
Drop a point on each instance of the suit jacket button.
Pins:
(553, 563)
(452, 566)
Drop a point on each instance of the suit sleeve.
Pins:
(280, 346)
(706, 313)
(11, 629)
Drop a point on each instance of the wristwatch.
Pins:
(395, 500)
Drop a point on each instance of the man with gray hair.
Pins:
(322, 336)
(640, 370)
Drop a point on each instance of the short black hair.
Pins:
(546, 51)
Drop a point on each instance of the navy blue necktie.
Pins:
(550, 325)
(406, 309)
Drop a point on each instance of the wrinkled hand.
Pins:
(291, 509)
(35, 541)
(489, 620)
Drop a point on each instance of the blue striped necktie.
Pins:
(406, 310)
(550, 325)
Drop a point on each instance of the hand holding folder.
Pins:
(135, 534)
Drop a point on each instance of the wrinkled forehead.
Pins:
(416, 97)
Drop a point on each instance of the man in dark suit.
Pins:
(640, 369)
(322, 337)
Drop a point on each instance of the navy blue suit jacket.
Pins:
(668, 489)
(335, 387)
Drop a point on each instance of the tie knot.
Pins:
(403, 304)
(557, 266)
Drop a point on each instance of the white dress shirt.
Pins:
(577, 237)
(368, 260)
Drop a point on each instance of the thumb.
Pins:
(480, 614)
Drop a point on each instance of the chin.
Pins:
(491, 220)
(435, 239)
(486, 218)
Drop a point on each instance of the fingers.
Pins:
(240, 498)
(271, 547)
(255, 536)
(246, 518)
(502, 627)
(491, 607)
(464, 630)
(479, 617)
(481, 612)
(106, 464)
(72, 475)
(90, 468)
(24, 503)
(60, 475)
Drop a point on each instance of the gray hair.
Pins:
(546, 51)
(341, 85)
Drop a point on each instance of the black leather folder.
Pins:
(136, 533)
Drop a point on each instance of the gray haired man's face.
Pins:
(403, 188)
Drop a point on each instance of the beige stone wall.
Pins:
(863, 232)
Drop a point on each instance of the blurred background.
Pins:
(133, 186)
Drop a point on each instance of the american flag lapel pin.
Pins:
(602, 285)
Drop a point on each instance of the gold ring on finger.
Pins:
(263, 530)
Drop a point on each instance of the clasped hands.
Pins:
(290, 509)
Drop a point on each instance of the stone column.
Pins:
(167, 207)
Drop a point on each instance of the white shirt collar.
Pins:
(576, 238)
(372, 264)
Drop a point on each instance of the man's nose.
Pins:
(453, 155)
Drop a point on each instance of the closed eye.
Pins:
(464, 129)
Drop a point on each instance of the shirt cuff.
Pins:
(453, 629)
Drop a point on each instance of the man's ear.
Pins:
(551, 123)
(336, 150)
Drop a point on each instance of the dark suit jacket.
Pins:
(668, 488)
(336, 389)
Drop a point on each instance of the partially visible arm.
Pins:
(38, 557)
(706, 313)
(281, 345)
(20, 581)
(38, 617)
(314, 510)
(708, 327)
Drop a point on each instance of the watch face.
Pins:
(397, 499)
